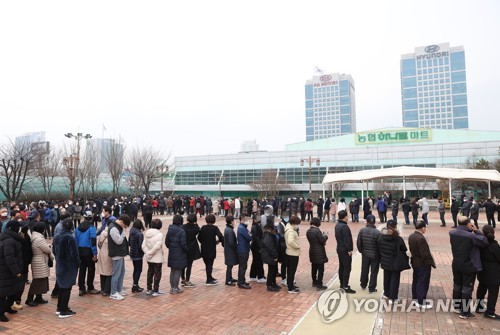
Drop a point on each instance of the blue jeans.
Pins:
(117, 275)
(407, 217)
(356, 217)
(424, 217)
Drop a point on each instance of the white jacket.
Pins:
(153, 246)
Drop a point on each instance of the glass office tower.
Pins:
(433, 88)
(330, 106)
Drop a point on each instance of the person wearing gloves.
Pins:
(153, 252)
(292, 252)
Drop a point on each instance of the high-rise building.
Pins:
(330, 106)
(433, 87)
(110, 152)
(35, 140)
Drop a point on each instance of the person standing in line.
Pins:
(175, 241)
(230, 250)
(152, 246)
(86, 241)
(389, 244)
(466, 206)
(42, 253)
(107, 219)
(425, 210)
(257, 266)
(489, 278)
(292, 252)
(490, 209)
(67, 263)
(474, 212)
(327, 206)
(421, 262)
(243, 249)
(11, 265)
(317, 253)
(344, 251)
(406, 207)
(381, 206)
(414, 210)
(192, 229)
(395, 210)
(282, 256)
(117, 250)
(319, 204)
(367, 246)
(237, 207)
(367, 208)
(308, 206)
(454, 211)
(356, 203)
(269, 253)
(441, 207)
(104, 263)
(136, 237)
(209, 237)
(466, 241)
(333, 210)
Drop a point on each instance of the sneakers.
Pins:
(188, 284)
(492, 316)
(348, 289)
(244, 286)
(295, 290)
(123, 293)
(30, 303)
(273, 289)
(262, 280)
(230, 283)
(321, 287)
(116, 296)
(158, 293)
(40, 300)
(211, 283)
(66, 314)
(17, 307)
(283, 282)
(3, 318)
(137, 289)
(234, 281)
(466, 316)
(252, 279)
(422, 306)
(149, 292)
(82, 292)
(176, 291)
(372, 291)
(104, 294)
(183, 282)
(93, 291)
(363, 288)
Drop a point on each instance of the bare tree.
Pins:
(420, 186)
(113, 161)
(90, 169)
(16, 162)
(143, 165)
(47, 167)
(270, 184)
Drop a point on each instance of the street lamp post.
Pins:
(310, 161)
(163, 169)
(72, 161)
(218, 179)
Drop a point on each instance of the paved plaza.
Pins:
(228, 310)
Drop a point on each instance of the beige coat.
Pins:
(104, 262)
(153, 246)
(41, 254)
(292, 241)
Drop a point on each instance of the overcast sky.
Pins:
(200, 77)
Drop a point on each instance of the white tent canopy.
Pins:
(414, 172)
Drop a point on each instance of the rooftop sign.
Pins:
(393, 136)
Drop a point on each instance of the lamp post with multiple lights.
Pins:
(309, 160)
(72, 161)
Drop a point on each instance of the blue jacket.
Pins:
(104, 223)
(135, 243)
(244, 239)
(67, 259)
(381, 205)
(85, 236)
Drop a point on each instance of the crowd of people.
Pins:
(95, 236)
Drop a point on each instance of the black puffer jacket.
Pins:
(257, 235)
(230, 244)
(317, 241)
(490, 259)
(343, 237)
(389, 244)
(367, 241)
(269, 249)
(135, 243)
(11, 263)
(192, 230)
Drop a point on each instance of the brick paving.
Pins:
(228, 310)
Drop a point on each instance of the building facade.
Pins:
(108, 150)
(330, 106)
(234, 174)
(433, 87)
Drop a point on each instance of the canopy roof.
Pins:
(414, 172)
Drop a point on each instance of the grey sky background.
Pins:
(200, 77)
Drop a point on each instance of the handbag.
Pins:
(402, 259)
(50, 263)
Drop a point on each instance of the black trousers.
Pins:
(317, 272)
(441, 217)
(229, 273)
(454, 217)
(463, 285)
(391, 284)
(284, 261)
(345, 264)
(369, 269)
(154, 273)
(106, 284)
(186, 272)
(63, 300)
(86, 264)
(209, 266)
(272, 270)
(136, 275)
(257, 267)
(491, 219)
(293, 262)
(242, 267)
(420, 283)
(492, 291)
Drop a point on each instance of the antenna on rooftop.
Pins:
(317, 70)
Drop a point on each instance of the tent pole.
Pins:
(333, 190)
(404, 187)
(362, 194)
(449, 189)
(489, 189)
(323, 185)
